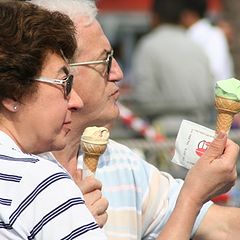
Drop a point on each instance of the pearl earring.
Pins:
(15, 108)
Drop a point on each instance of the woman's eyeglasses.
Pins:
(107, 61)
(66, 83)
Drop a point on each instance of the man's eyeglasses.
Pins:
(107, 61)
(66, 83)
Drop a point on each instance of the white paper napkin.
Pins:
(191, 142)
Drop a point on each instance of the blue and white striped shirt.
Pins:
(39, 200)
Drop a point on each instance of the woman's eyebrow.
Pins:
(65, 70)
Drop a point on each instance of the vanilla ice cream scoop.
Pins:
(227, 102)
(96, 135)
(93, 143)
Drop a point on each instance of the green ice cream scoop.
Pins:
(227, 103)
(229, 88)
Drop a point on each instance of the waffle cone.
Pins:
(91, 162)
(226, 109)
(91, 156)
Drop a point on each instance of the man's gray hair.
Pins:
(75, 9)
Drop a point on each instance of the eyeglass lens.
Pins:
(109, 63)
(68, 85)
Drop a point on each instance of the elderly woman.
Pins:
(38, 199)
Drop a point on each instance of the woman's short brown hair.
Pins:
(27, 33)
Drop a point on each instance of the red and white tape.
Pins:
(139, 125)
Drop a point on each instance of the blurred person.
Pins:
(171, 74)
(38, 198)
(210, 38)
(141, 198)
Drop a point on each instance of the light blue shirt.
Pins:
(141, 198)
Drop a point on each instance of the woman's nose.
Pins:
(75, 102)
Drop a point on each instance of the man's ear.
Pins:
(10, 104)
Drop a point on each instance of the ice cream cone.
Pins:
(92, 153)
(227, 103)
(226, 109)
(93, 143)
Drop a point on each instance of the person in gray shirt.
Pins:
(171, 73)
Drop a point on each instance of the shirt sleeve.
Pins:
(160, 202)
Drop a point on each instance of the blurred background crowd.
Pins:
(172, 53)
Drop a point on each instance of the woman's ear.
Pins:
(10, 104)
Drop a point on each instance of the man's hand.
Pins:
(215, 172)
(95, 202)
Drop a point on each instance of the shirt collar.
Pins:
(6, 140)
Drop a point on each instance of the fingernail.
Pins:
(221, 135)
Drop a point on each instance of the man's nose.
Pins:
(115, 73)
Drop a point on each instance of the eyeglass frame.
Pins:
(107, 61)
(66, 83)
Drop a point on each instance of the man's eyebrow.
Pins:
(104, 53)
(108, 51)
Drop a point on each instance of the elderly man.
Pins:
(144, 203)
